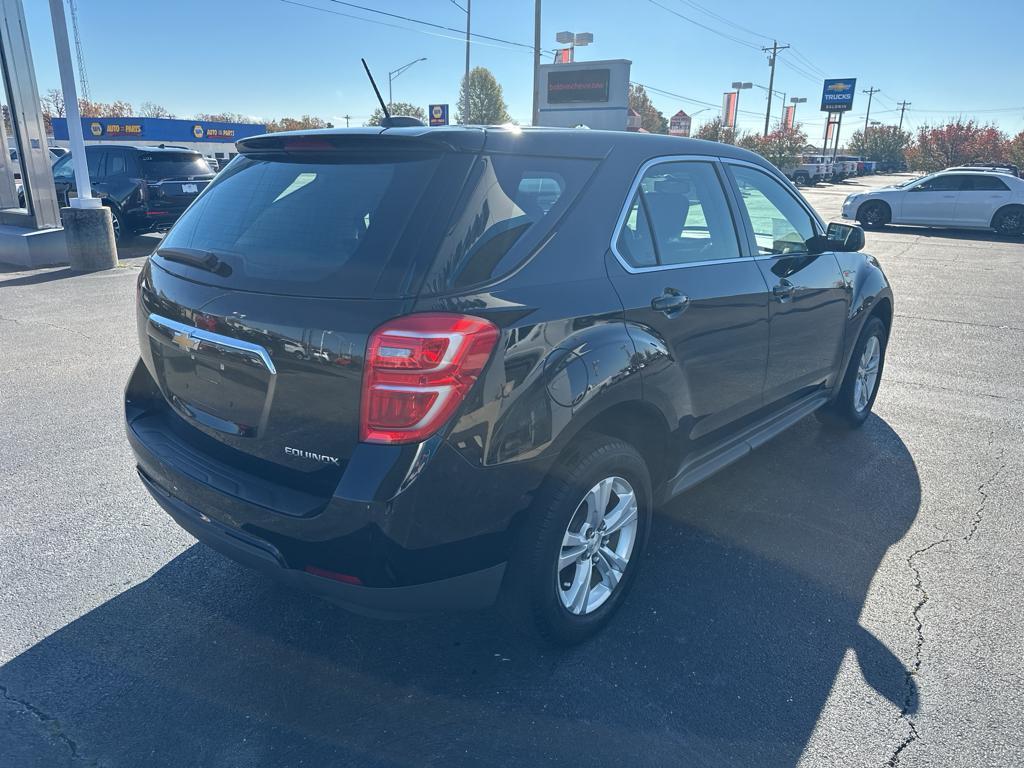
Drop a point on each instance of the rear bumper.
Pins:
(467, 591)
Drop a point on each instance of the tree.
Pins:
(297, 124)
(958, 142)
(149, 109)
(884, 143)
(716, 130)
(398, 108)
(781, 147)
(486, 100)
(1015, 150)
(224, 117)
(651, 118)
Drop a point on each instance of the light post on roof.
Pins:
(396, 72)
(794, 101)
(573, 39)
(738, 86)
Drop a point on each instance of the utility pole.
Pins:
(536, 62)
(347, 118)
(465, 83)
(870, 92)
(771, 80)
(903, 108)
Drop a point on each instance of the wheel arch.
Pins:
(1003, 209)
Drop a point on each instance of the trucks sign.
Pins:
(837, 95)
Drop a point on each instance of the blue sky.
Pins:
(269, 58)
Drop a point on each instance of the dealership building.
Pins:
(212, 139)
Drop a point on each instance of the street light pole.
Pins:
(536, 62)
(465, 82)
(79, 162)
(739, 86)
(396, 72)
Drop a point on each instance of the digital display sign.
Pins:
(588, 86)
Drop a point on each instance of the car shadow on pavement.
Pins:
(725, 654)
(980, 235)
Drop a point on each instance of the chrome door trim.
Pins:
(225, 343)
(621, 220)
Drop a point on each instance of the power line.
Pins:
(431, 24)
(705, 26)
(723, 19)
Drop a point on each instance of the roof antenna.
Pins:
(383, 106)
(398, 121)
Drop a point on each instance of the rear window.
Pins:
(171, 165)
(366, 225)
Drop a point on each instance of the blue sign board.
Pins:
(837, 95)
(437, 114)
(153, 130)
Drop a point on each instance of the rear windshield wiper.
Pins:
(195, 258)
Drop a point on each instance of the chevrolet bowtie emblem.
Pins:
(185, 341)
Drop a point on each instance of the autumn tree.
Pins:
(149, 109)
(884, 143)
(224, 117)
(651, 118)
(716, 130)
(398, 108)
(958, 142)
(297, 124)
(486, 99)
(1015, 150)
(781, 147)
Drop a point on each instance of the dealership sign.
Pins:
(588, 86)
(837, 95)
(157, 129)
(438, 114)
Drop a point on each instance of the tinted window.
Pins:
(949, 183)
(63, 170)
(678, 215)
(507, 207)
(635, 243)
(986, 183)
(94, 158)
(170, 165)
(115, 165)
(780, 223)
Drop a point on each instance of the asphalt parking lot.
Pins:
(832, 600)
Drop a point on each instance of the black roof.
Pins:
(567, 142)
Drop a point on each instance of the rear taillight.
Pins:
(418, 370)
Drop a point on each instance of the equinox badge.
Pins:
(321, 457)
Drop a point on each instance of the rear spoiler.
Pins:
(300, 144)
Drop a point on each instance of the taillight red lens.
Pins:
(419, 368)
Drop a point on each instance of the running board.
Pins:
(702, 467)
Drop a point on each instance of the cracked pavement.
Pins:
(832, 600)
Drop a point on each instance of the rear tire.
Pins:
(851, 405)
(874, 214)
(570, 546)
(1009, 221)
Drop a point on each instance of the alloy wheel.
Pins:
(597, 545)
(867, 374)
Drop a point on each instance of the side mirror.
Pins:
(844, 237)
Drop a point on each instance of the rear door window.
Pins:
(983, 182)
(157, 166)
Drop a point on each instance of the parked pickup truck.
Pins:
(811, 170)
(845, 167)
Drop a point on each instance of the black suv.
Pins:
(412, 369)
(146, 188)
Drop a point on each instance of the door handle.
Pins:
(671, 302)
(783, 290)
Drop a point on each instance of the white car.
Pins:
(962, 199)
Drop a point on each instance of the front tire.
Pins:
(587, 535)
(852, 404)
(874, 214)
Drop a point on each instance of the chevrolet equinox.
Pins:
(416, 369)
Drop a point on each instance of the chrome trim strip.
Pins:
(216, 339)
(621, 221)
